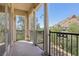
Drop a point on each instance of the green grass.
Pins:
(20, 36)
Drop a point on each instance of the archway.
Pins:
(20, 28)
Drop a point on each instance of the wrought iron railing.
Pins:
(2, 42)
(40, 39)
(64, 44)
(60, 43)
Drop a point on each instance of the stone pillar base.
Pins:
(45, 54)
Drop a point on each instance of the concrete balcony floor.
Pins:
(25, 48)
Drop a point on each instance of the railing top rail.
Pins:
(39, 31)
(67, 33)
(36, 31)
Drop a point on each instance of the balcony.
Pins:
(60, 44)
(35, 43)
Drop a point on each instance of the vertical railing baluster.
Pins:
(71, 45)
(57, 38)
(59, 45)
(62, 46)
(43, 40)
(49, 43)
(67, 45)
(57, 42)
(76, 45)
(54, 44)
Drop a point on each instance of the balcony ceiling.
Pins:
(25, 6)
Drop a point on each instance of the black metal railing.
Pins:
(40, 39)
(2, 48)
(64, 44)
(2, 42)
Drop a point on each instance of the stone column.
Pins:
(14, 28)
(11, 23)
(28, 27)
(6, 26)
(10, 29)
(34, 29)
(46, 30)
(25, 22)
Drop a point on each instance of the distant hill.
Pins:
(67, 22)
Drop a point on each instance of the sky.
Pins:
(57, 12)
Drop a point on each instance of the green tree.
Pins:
(57, 28)
(20, 23)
